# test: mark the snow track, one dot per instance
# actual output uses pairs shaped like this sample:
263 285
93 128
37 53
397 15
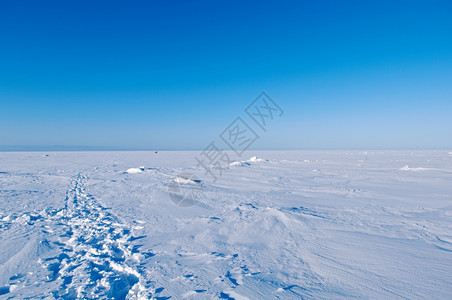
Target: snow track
98 255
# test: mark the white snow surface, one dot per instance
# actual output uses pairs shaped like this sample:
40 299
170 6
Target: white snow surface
291 225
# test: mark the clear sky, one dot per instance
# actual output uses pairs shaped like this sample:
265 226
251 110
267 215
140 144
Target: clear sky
174 74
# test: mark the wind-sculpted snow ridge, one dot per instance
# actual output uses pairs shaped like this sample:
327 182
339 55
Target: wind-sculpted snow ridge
98 257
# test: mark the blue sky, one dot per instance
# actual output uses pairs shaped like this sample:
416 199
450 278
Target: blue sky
161 75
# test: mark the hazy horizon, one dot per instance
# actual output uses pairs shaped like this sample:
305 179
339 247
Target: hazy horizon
62 148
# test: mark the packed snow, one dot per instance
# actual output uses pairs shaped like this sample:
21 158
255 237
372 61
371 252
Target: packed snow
291 225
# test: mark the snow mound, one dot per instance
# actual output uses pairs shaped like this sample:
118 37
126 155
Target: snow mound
248 162
406 168
186 180
135 170
239 163
255 159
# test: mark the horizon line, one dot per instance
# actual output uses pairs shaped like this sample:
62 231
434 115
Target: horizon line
63 148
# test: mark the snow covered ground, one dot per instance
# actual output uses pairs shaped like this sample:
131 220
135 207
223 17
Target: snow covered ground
284 225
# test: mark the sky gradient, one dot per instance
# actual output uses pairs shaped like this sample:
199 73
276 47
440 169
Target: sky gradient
173 75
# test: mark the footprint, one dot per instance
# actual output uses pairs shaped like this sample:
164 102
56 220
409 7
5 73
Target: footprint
4 290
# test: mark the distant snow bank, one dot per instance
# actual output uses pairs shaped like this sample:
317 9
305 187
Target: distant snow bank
247 162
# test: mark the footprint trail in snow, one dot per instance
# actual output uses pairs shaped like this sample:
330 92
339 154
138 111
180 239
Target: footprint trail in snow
99 256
